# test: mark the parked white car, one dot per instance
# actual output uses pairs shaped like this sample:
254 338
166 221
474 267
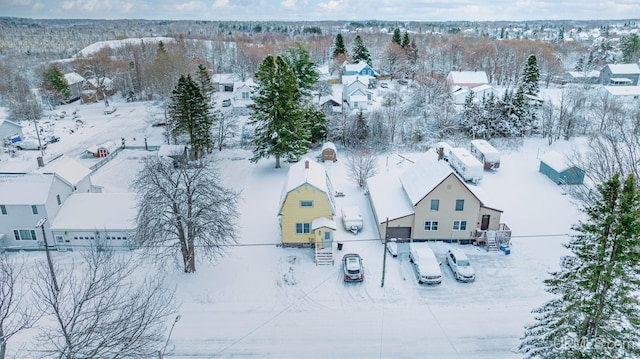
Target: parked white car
426 265
30 145
460 266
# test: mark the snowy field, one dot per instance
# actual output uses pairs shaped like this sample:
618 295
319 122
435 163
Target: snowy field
265 301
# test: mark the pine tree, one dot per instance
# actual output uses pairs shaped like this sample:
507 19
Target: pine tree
338 48
630 47
54 85
531 76
360 52
305 70
280 128
189 112
405 40
396 37
595 310
204 81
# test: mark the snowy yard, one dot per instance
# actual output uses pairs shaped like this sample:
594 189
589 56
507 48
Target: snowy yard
265 301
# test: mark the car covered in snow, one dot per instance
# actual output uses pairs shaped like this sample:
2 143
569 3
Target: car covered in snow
352 267
460 265
30 145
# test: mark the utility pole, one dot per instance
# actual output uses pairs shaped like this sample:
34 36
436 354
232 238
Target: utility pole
46 249
384 255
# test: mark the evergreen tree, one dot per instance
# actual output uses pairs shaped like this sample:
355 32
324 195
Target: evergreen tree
338 47
531 76
316 122
630 47
54 85
204 81
595 310
360 52
277 114
189 112
396 37
305 70
405 40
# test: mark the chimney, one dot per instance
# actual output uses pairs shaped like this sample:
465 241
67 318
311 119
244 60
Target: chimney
440 153
475 70
306 164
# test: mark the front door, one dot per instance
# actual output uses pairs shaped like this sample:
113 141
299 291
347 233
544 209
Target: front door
485 222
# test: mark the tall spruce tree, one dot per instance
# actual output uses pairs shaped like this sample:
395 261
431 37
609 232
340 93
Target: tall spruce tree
305 70
338 47
54 85
397 38
405 40
278 117
203 79
595 310
360 52
531 76
189 113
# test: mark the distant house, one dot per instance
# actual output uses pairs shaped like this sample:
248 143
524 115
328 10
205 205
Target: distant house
95 90
330 105
582 77
557 167
307 207
356 94
9 130
103 149
75 83
620 75
26 200
623 92
429 201
463 83
224 82
96 220
361 69
242 92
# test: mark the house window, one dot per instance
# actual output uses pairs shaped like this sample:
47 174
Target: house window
34 209
24 234
306 203
459 204
431 225
3 209
245 95
58 199
435 204
459 225
302 228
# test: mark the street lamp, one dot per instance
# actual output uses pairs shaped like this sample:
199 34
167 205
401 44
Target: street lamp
40 224
161 353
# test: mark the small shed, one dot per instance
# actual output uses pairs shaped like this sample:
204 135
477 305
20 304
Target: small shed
102 150
329 152
556 166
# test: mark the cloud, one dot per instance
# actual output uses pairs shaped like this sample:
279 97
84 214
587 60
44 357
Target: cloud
331 5
38 6
20 2
218 4
289 4
189 6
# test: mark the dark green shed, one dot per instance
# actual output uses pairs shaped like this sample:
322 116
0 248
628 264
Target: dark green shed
557 167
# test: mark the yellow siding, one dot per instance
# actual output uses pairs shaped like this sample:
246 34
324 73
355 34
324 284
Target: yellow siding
292 213
447 192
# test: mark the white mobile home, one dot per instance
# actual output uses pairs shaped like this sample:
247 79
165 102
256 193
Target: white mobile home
467 166
486 154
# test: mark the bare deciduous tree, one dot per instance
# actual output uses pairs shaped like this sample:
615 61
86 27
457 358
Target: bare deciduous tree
100 309
362 165
184 207
15 316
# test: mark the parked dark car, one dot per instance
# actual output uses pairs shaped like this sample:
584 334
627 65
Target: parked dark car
226 103
352 268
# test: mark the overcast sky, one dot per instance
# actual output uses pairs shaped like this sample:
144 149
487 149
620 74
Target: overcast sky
291 10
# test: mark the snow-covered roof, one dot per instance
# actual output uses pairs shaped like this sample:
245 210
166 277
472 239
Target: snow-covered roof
225 78
114 44
623 90
323 222
73 78
109 146
106 82
240 84
468 77
556 160
485 148
424 175
10 123
356 67
624 69
91 211
25 188
582 74
388 198
329 145
315 175
351 79
67 168
482 88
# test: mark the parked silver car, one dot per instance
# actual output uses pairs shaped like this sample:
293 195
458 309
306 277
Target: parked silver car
460 266
30 145
352 268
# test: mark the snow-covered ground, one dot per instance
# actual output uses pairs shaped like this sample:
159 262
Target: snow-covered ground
265 301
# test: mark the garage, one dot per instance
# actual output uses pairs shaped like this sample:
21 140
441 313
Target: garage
399 232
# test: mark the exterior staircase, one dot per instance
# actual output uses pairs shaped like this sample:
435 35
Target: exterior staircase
492 243
323 256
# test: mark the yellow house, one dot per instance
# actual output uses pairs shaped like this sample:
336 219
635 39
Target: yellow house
429 201
307 207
